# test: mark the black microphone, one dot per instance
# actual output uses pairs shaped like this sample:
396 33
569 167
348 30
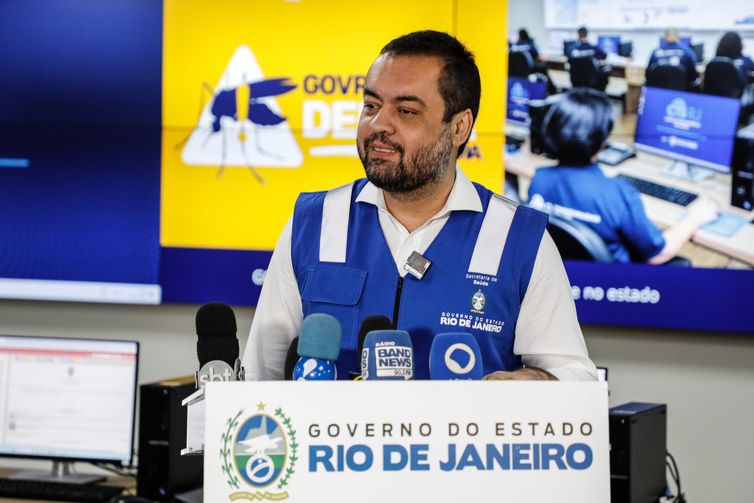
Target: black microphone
217 344
291 357
370 323
375 322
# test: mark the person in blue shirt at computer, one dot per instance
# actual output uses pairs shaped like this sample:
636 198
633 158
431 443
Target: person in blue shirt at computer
585 48
676 54
574 130
525 43
731 46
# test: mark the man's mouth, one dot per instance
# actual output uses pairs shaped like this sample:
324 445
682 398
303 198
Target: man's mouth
380 149
384 150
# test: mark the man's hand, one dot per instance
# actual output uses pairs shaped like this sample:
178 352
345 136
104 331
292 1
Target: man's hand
522 374
703 211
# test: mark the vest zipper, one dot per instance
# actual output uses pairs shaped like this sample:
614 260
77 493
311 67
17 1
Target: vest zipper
397 302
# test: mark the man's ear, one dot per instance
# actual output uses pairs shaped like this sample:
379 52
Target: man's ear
461 124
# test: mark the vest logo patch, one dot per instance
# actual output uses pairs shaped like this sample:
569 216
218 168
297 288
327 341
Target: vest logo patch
463 320
478 301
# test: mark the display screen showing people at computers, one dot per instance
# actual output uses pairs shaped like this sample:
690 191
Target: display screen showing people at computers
67 399
609 43
695 128
520 92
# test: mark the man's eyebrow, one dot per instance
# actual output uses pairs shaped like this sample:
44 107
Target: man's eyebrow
411 97
369 92
407 97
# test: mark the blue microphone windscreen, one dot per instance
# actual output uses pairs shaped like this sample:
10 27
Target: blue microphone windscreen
320 337
314 369
387 355
455 356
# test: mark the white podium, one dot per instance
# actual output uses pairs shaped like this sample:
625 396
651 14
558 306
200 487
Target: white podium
438 441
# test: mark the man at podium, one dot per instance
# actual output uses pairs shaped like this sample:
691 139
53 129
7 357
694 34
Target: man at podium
489 266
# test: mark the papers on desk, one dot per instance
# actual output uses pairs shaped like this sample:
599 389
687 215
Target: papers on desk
616 60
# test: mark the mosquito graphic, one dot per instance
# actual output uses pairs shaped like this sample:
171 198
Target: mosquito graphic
242 104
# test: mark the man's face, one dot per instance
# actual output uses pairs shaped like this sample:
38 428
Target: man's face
403 143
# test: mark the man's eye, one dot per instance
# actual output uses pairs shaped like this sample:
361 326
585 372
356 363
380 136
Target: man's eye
370 106
407 111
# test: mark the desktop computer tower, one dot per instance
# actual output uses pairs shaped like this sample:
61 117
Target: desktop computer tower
742 174
162 434
638 435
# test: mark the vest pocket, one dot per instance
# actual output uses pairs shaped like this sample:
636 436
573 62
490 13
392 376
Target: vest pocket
336 291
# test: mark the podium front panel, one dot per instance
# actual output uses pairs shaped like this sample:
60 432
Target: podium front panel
439 441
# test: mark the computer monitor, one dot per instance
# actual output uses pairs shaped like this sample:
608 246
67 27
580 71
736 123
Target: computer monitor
520 92
67 400
568 46
684 41
698 51
626 49
610 44
697 130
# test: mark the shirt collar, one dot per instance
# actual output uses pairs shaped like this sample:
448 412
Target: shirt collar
463 196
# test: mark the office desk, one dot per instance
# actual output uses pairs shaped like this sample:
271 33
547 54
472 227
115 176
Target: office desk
616 87
625 68
662 213
621 67
631 72
626 78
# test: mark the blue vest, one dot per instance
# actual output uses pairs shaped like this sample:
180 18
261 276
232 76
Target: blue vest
476 283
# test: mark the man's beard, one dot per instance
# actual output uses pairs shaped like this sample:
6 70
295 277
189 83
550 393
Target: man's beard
423 167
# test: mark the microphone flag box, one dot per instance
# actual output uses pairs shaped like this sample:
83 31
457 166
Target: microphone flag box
440 441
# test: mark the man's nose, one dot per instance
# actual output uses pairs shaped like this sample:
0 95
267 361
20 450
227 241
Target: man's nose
383 121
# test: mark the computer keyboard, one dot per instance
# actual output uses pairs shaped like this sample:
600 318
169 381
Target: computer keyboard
56 491
659 191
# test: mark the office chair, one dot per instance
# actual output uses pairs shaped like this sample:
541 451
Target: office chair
723 78
520 64
586 72
667 76
577 241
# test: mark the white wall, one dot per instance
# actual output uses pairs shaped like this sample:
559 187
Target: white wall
707 380
530 14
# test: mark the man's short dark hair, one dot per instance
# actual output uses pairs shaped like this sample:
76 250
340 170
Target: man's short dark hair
459 84
582 32
576 127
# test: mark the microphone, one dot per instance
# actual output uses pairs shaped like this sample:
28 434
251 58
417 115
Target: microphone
455 356
217 345
318 348
387 355
291 357
370 323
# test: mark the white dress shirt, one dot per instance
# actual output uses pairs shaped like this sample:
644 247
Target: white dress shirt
548 334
